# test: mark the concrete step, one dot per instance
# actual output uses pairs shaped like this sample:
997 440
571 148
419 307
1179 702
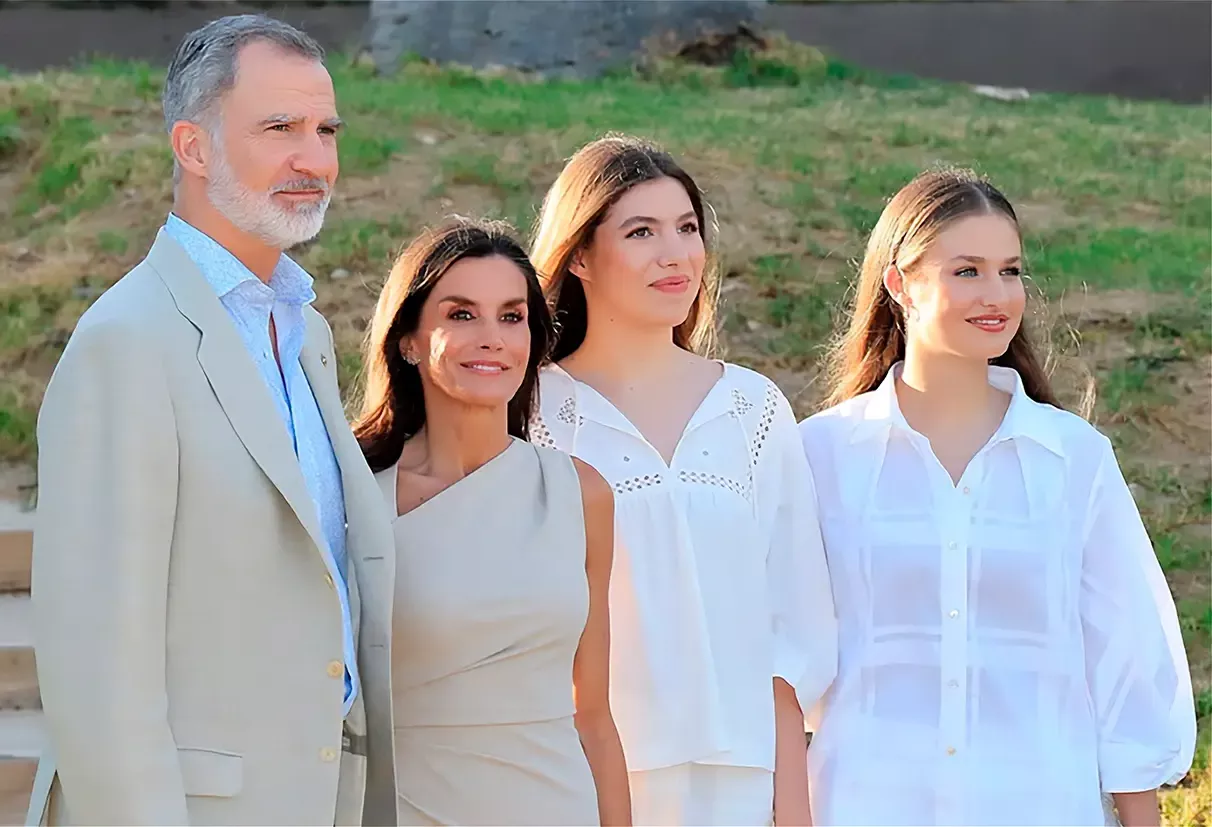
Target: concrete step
16 782
16 552
21 733
16 545
18 675
21 738
18 681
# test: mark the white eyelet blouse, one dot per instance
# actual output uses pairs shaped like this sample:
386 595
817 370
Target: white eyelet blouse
719 582
1008 644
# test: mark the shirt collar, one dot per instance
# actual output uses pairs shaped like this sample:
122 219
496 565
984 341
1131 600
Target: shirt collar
289 283
1025 418
724 398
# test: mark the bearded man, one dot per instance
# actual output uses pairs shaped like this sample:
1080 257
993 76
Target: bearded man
203 506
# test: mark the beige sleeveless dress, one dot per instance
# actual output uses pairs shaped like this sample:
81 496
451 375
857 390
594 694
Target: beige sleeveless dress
491 598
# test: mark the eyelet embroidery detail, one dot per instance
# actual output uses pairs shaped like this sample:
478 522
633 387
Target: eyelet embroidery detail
540 434
702 478
567 412
762 433
743 405
637 483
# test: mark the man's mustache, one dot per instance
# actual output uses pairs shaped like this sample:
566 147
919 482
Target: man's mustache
303 185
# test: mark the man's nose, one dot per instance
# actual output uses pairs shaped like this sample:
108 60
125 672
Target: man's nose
315 158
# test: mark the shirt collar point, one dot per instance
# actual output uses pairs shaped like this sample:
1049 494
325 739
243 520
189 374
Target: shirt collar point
1025 418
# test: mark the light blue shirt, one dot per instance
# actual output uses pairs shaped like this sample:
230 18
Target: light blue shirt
249 302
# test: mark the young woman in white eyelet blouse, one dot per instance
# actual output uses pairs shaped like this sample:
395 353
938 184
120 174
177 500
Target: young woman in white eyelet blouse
1009 650
722 624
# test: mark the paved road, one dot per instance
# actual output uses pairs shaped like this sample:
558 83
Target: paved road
1132 48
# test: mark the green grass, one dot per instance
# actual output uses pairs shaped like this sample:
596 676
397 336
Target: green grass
17 424
1131 385
360 245
67 151
10 134
1178 553
28 314
112 242
1161 260
797 153
482 169
365 154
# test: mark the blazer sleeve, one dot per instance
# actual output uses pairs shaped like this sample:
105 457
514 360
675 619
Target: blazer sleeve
107 470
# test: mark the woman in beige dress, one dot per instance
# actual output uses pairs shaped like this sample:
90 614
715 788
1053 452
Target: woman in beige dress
490 623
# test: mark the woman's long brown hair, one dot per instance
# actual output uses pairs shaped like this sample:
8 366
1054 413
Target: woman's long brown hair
589 185
393 400
875 339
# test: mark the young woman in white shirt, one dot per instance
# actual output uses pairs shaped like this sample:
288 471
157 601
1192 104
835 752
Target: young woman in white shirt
722 624
1009 650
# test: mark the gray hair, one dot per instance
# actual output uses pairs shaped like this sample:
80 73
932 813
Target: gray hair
204 67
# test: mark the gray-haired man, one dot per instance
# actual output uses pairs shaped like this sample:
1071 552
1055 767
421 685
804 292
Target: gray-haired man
202 504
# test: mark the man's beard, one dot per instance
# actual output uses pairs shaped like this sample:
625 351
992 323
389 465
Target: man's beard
257 213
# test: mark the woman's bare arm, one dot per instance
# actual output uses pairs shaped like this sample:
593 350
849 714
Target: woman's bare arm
1138 809
790 759
591 668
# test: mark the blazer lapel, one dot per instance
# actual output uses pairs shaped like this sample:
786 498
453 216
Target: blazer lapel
370 545
235 380
369 522
316 364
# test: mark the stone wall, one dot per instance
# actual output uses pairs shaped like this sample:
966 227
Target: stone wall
1133 48
581 38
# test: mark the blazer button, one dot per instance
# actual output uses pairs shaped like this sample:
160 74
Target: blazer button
328 755
329 581
336 669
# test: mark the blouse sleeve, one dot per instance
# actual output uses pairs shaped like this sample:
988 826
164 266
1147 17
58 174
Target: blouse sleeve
801 598
1136 667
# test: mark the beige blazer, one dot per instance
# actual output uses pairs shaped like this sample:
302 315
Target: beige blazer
187 634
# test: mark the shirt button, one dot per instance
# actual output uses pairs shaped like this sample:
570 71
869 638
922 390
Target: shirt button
953 683
951 750
626 459
954 613
967 490
952 544
336 669
328 755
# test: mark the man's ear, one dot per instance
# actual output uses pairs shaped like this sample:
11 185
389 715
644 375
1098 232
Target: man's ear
191 147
